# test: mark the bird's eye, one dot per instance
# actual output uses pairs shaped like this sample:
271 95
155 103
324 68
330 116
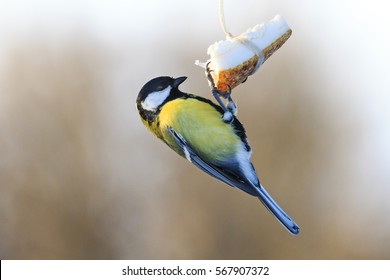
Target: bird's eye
164 85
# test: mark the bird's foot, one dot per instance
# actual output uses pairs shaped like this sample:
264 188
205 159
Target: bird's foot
230 109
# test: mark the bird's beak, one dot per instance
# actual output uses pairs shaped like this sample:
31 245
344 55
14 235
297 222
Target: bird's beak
178 81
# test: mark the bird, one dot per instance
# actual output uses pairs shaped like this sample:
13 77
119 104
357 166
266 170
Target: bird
195 128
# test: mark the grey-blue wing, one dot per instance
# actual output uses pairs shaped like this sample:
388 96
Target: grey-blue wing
227 176
217 172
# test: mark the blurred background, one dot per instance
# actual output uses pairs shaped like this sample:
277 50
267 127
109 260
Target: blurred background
81 178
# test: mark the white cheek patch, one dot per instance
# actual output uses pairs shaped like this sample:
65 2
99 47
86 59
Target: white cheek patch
155 99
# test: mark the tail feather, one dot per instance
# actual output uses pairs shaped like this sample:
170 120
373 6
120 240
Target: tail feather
275 209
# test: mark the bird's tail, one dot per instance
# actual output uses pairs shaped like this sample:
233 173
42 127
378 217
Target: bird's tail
275 209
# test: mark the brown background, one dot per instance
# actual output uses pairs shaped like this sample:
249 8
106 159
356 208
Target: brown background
81 178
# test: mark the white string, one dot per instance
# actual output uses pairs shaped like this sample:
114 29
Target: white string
256 51
245 42
222 19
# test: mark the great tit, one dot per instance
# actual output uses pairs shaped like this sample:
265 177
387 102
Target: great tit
194 127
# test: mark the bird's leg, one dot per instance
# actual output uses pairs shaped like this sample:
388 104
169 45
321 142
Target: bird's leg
231 108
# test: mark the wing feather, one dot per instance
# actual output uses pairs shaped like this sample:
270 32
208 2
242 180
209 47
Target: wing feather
211 169
233 179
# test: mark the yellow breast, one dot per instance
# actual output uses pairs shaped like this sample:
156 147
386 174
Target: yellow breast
202 127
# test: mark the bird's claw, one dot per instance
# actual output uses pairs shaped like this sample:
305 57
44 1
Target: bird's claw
231 109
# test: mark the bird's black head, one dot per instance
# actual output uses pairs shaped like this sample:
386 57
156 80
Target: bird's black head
157 91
